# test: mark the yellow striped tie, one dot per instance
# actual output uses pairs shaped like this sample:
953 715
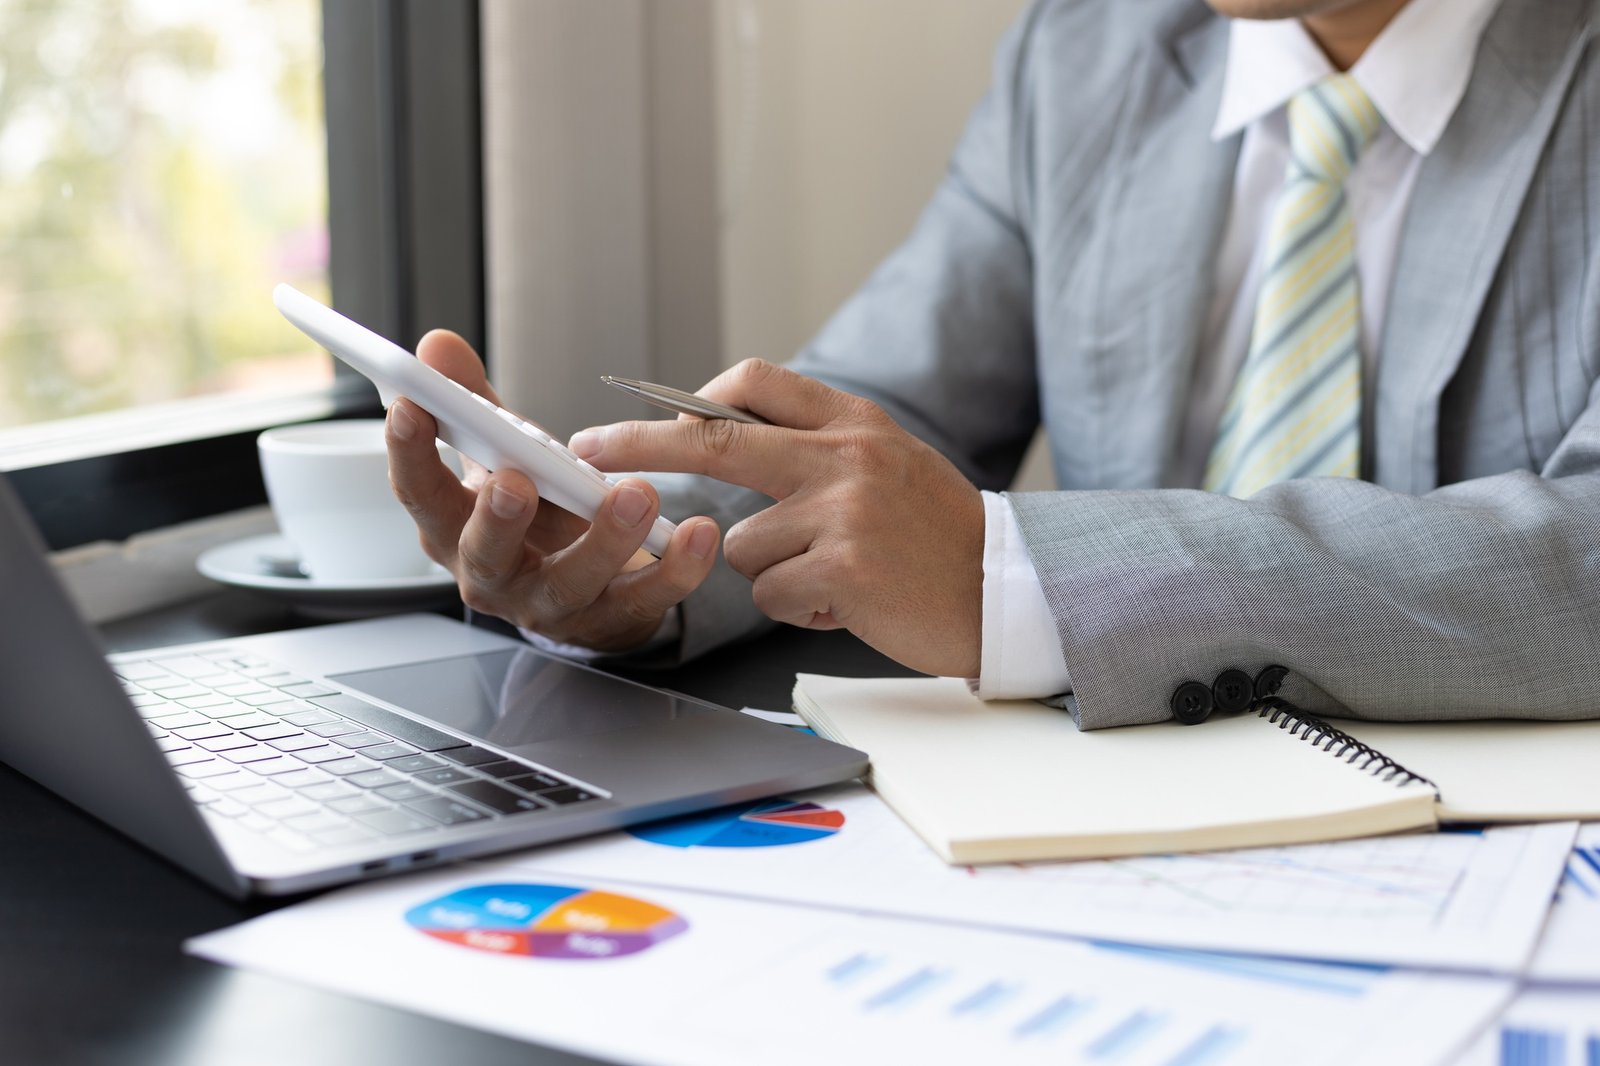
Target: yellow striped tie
1295 410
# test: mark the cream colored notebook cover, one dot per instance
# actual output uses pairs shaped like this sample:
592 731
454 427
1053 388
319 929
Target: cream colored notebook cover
1010 781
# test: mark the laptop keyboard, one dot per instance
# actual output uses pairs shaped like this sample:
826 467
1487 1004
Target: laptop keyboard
306 765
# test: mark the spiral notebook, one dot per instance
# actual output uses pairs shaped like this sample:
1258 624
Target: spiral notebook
1012 781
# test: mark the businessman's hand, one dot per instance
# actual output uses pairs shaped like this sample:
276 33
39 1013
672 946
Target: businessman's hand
530 562
873 530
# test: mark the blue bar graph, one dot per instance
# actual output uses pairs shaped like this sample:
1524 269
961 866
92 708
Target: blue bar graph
1126 1034
1211 1046
852 968
1052 1018
1591 1054
905 989
984 999
1532 1047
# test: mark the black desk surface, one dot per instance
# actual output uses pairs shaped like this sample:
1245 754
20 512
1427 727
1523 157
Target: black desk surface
91 969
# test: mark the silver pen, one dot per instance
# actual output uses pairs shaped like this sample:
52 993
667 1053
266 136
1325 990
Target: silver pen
685 403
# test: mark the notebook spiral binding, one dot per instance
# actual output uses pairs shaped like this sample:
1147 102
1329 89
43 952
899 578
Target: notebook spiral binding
1336 742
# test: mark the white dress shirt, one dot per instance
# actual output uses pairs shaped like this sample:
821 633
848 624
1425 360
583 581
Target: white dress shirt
1416 73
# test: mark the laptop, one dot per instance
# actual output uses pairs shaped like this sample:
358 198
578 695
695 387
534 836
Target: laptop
290 761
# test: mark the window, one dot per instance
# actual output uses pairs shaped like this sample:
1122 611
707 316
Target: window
162 164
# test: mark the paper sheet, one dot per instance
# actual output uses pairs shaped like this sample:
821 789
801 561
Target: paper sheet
664 977
1569 950
1455 900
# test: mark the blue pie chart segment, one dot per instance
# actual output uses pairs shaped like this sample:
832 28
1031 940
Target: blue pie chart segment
770 823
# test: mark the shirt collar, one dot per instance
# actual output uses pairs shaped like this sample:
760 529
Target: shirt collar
1416 72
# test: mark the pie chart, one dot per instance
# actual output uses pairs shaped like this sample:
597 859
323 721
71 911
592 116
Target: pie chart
770 823
546 921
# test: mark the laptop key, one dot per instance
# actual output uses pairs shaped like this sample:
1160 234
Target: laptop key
305 690
262 699
187 755
346 766
356 804
147 699
469 755
281 680
563 796
200 771
394 822
405 790
301 743
496 798
261 792
279 764
227 808
302 778
176 721
192 666
256 823
329 790
286 808
385 752
337 728
361 740
535 782
203 731
447 811
227 742
247 720
326 753
137 671
444 776
396 725
275 731
171 744
504 768
311 717
413 764
374 779
210 699
243 688
253 754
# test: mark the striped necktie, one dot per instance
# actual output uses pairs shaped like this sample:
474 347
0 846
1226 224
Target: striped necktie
1295 410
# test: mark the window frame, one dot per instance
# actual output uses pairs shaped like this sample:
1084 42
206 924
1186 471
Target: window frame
402 92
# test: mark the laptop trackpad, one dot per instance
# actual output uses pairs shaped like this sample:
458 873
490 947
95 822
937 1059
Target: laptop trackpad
515 697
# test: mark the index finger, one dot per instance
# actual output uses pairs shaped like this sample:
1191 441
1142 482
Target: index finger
778 394
770 459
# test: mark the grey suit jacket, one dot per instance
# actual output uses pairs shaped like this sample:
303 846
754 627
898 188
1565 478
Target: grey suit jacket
1063 272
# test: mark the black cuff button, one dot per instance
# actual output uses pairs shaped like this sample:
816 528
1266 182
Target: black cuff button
1233 691
1270 680
1191 703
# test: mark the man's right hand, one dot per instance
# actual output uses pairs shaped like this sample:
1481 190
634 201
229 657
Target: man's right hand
532 563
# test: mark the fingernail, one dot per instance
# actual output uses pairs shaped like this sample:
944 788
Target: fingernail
631 505
505 503
401 422
703 540
586 443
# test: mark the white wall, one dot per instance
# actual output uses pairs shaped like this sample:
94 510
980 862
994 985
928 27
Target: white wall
836 119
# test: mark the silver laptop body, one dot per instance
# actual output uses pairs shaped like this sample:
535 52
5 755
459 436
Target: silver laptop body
289 761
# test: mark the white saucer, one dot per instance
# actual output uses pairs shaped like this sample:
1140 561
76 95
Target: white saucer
248 564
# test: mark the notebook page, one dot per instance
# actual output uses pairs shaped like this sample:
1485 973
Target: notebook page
1498 771
1014 780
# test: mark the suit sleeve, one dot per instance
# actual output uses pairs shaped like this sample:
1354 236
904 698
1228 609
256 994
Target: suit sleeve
1480 599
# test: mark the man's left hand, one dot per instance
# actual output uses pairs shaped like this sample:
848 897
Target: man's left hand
873 530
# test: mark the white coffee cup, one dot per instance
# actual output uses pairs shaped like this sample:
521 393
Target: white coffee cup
328 483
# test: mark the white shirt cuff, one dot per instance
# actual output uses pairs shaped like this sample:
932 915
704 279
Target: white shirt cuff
670 632
1021 657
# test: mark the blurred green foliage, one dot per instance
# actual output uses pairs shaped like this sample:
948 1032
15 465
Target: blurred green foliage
162 165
